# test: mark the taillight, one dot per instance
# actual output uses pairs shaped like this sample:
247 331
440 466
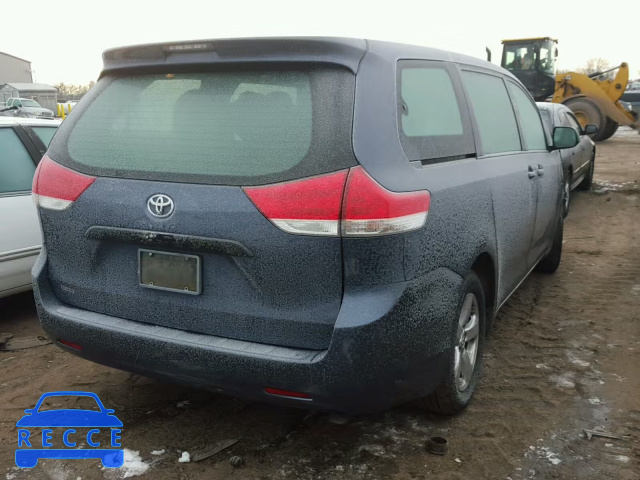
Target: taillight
348 203
371 209
308 207
56 187
287 393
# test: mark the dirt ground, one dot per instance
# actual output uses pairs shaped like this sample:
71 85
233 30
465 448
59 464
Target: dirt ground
564 355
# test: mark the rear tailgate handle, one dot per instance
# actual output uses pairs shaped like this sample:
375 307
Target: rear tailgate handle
532 172
169 240
540 170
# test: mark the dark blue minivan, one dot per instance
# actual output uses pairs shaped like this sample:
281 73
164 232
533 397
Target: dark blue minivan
320 222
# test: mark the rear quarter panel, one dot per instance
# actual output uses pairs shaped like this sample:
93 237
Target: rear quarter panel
460 224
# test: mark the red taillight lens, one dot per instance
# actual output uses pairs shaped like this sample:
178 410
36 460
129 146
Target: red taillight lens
75 346
56 187
350 203
371 209
309 207
287 393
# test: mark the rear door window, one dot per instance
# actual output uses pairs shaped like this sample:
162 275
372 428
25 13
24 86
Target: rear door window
530 123
546 119
45 134
240 127
573 122
493 112
16 166
433 122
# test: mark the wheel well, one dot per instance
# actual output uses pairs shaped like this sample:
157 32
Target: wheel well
484 268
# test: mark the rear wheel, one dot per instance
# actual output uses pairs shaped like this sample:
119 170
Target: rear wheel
610 128
464 359
566 193
588 179
551 262
587 113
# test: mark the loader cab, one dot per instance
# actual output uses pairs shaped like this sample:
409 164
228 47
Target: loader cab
533 62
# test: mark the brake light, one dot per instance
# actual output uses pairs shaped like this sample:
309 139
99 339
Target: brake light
308 207
56 187
348 203
75 346
287 393
371 209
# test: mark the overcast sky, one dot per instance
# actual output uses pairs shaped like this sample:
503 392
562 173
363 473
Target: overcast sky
64 40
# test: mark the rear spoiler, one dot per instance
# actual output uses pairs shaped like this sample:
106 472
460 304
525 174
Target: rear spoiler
346 52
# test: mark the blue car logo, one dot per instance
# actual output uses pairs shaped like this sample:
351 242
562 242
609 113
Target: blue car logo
27 456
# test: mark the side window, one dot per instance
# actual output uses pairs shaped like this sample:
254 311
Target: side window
433 122
16 166
546 119
573 122
564 120
530 123
45 134
17 103
493 112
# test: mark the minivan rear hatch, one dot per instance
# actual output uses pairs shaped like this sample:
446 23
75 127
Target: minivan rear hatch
171 149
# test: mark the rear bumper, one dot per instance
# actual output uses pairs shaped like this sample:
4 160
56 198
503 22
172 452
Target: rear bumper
388 346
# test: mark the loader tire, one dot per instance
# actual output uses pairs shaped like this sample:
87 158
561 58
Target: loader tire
588 113
609 129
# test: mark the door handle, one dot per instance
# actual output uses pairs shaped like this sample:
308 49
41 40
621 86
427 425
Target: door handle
532 172
540 170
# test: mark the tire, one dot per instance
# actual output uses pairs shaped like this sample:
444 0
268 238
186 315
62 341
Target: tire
551 262
586 183
587 112
566 194
455 393
610 128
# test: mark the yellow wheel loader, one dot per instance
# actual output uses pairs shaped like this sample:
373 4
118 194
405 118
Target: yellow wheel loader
593 98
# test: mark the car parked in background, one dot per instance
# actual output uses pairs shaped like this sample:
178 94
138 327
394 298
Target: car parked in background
631 98
578 163
26 108
22 145
319 222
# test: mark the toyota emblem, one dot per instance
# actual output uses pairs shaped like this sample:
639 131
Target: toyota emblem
160 205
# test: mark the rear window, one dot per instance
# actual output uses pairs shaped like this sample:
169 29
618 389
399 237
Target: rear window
45 134
432 124
243 127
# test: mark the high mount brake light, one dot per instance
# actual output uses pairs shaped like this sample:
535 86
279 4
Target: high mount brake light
56 187
347 203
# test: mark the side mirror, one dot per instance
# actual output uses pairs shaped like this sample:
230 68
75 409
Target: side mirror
590 129
565 137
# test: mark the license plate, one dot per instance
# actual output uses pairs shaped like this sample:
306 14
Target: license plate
175 272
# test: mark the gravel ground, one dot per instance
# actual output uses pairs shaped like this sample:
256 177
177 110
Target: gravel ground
564 355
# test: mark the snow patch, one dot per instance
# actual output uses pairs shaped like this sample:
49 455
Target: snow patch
157 452
377 450
576 361
564 381
545 453
185 457
133 466
622 458
595 401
